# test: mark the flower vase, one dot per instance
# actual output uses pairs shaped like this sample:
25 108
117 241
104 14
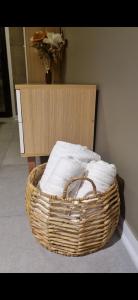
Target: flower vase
48 77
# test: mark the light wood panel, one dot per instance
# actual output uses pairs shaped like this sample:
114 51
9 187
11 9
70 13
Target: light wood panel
18 64
16 36
17 54
56 70
53 29
56 112
34 65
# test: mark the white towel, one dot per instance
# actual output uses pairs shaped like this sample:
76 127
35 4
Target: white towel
65 169
103 175
64 149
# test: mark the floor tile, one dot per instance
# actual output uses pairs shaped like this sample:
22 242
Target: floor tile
12 189
21 252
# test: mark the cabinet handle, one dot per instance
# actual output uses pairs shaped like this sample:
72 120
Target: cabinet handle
21 137
19 110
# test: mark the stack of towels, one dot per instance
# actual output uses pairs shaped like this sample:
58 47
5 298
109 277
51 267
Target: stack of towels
71 160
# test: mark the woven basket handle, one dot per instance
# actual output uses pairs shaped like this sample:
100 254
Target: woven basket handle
75 179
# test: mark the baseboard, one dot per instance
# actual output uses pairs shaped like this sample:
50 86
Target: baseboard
129 241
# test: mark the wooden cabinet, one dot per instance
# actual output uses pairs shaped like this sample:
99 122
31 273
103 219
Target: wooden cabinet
47 113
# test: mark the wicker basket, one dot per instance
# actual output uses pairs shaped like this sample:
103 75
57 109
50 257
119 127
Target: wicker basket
68 226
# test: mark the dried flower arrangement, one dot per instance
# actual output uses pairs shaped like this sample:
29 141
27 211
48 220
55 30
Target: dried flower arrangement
50 47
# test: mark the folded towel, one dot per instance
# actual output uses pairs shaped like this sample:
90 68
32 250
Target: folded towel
64 149
103 175
65 169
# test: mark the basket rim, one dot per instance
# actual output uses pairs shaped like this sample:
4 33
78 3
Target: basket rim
55 197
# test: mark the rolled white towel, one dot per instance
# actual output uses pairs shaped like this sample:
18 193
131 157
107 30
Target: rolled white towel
65 169
64 149
81 152
103 175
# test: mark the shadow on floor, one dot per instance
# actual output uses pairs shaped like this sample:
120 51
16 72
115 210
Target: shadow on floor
114 239
121 185
2 123
44 159
117 235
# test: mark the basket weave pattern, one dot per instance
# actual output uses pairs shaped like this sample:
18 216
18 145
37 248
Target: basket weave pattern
71 226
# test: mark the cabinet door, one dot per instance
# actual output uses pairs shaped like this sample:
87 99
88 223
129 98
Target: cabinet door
57 112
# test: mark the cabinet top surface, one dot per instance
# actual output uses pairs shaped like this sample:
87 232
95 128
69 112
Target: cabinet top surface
22 86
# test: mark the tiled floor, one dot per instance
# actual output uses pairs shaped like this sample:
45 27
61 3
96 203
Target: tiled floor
19 251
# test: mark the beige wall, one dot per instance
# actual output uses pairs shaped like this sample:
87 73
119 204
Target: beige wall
108 57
